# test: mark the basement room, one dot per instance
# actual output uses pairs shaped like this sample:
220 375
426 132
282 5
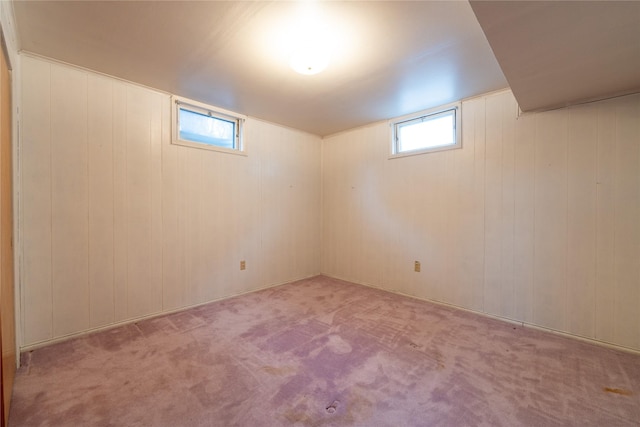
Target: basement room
320 213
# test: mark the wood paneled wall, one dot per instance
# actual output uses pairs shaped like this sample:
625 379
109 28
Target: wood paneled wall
118 224
535 219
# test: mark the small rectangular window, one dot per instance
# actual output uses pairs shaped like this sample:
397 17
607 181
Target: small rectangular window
202 126
432 130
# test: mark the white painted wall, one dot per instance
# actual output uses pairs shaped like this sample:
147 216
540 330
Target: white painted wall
118 224
535 219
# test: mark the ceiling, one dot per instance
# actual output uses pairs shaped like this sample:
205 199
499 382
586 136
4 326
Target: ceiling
394 57
561 53
390 58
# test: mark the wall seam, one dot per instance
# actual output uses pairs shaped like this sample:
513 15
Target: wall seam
566 317
616 288
87 146
113 202
533 260
51 201
484 207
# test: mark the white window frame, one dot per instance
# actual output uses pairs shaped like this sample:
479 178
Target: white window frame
432 113
178 103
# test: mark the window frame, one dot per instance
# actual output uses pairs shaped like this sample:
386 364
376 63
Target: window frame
420 117
178 103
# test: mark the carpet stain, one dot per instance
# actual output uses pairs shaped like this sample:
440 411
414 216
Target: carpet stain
295 417
338 345
359 408
332 408
620 391
274 370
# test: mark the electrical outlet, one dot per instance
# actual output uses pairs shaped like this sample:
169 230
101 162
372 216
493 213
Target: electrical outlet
416 267
243 265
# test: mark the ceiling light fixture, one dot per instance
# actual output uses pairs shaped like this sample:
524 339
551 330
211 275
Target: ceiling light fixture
309 60
312 42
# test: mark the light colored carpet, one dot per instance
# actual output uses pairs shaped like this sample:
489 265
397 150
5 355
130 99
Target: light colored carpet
323 352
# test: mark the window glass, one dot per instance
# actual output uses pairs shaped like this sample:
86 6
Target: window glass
204 128
434 130
427 132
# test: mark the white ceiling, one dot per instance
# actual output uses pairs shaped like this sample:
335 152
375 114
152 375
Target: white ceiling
560 53
392 58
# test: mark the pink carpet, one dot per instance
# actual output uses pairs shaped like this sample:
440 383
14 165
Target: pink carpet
322 352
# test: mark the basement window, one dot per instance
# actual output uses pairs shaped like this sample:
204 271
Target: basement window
427 131
203 126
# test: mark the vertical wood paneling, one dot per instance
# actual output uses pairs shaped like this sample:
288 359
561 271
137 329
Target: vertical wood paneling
270 235
352 195
100 182
499 205
605 226
330 207
448 194
438 240
120 228
524 181
304 193
140 226
190 171
394 207
479 191
249 219
465 224
69 201
534 219
348 198
550 220
155 291
216 260
507 244
142 136
375 149
245 221
215 270
37 307
493 220
581 253
182 230
283 188
627 231
173 289
138 203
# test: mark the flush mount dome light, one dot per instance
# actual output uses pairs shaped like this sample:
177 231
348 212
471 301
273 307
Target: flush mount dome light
311 40
309 61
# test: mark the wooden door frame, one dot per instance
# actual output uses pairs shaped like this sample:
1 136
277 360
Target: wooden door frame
4 412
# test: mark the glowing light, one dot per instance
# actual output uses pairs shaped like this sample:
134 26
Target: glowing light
311 41
309 59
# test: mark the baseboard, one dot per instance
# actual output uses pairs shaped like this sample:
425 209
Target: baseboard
441 303
503 319
85 332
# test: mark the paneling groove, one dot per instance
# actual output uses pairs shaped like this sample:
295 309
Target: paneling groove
101 199
36 201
